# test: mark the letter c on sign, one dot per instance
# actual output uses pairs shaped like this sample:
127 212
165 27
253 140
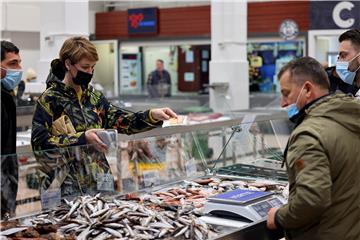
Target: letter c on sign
336 14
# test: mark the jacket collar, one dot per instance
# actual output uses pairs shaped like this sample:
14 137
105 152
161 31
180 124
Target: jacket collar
65 89
5 91
299 118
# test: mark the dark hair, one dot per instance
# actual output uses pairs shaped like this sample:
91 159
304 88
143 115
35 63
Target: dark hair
7 47
58 68
160 60
353 36
306 69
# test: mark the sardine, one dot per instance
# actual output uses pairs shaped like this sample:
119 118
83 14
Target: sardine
181 231
99 213
113 232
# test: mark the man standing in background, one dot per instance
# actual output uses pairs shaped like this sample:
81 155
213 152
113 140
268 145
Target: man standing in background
159 81
11 73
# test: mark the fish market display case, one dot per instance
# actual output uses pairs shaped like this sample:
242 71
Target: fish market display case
213 180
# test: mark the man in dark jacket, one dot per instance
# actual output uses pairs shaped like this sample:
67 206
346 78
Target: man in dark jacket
159 81
10 77
345 77
322 157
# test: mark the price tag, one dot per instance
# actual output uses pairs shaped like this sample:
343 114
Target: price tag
190 167
105 182
50 198
151 178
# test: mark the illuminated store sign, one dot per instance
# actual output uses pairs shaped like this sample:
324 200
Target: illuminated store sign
143 21
334 14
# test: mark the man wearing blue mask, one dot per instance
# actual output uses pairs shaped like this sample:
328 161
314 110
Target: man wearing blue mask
345 76
11 73
322 157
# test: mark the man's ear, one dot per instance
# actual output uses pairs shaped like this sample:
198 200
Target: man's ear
3 73
309 88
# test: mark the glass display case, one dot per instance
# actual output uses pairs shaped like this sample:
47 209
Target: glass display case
160 180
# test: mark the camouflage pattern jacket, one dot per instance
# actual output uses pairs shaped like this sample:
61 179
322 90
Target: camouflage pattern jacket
77 170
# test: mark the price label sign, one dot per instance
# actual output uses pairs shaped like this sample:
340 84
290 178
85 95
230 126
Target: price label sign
50 198
190 167
151 178
105 182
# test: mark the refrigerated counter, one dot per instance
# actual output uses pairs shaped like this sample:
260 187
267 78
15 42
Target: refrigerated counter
151 162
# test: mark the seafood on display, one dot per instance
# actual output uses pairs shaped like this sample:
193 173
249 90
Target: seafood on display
193 194
97 218
170 213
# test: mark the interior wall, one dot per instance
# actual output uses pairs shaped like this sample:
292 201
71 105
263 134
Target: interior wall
194 21
29 45
94 7
266 16
20 16
325 45
334 43
104 70
124 4
322 49
20 24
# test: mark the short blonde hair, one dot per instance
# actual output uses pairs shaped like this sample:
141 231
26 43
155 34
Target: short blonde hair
77 48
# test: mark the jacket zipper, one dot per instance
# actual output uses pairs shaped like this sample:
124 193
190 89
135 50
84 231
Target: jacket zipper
86 127
82 113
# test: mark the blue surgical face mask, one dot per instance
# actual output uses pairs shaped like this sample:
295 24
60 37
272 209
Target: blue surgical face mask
292 109
342 69
12 78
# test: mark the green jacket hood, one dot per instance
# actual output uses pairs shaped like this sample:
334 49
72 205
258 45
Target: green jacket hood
341 108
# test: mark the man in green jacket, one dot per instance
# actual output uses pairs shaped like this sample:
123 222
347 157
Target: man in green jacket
322 157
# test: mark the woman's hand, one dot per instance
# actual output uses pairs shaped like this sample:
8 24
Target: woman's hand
93 139
161 114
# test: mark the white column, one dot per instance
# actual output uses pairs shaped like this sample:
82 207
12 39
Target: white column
228 55
59 21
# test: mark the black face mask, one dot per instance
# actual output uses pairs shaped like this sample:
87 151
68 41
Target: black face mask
82 78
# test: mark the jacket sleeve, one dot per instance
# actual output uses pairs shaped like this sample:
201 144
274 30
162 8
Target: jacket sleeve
310 194
41 137
128 122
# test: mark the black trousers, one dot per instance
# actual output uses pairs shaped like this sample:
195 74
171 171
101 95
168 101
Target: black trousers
9 185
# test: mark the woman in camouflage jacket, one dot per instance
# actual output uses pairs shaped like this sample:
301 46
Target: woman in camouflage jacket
88 111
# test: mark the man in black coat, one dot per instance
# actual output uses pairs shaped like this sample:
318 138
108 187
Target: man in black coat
11 73
345 77
159 81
